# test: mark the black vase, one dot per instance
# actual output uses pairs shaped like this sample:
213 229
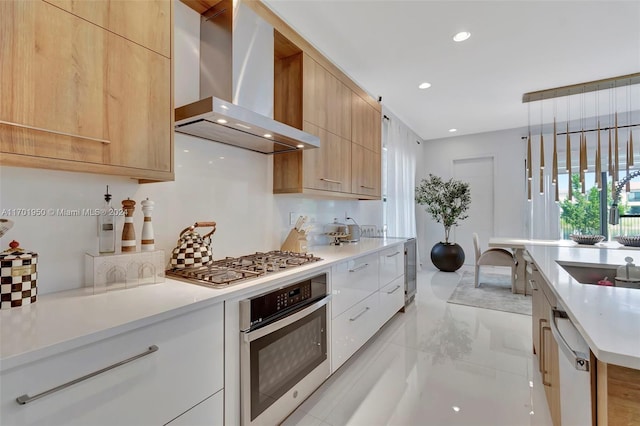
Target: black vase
447 257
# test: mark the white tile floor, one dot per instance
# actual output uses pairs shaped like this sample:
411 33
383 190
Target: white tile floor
437 364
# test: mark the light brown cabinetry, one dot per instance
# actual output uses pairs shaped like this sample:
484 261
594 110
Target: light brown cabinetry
365 124
82 98
365 171
309 96
618 395
326 101
327 168
137 21
545 346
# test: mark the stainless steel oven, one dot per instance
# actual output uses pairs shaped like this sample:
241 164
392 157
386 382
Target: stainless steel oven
283 355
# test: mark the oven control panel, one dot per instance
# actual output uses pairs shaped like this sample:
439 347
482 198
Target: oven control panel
292 295
269 306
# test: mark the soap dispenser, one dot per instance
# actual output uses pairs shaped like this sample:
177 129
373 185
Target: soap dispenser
628 275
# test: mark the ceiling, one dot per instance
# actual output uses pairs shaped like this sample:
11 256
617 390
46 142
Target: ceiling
389 47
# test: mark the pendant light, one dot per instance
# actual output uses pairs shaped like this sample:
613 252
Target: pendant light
541 162
554 172
616 166
628 184
598 161
529 171
583 160
570 190
631 161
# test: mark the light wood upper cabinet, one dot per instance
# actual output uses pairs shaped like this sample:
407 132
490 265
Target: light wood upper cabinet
365 171
326 100
308 96
329 167
147 22
95 101
366 124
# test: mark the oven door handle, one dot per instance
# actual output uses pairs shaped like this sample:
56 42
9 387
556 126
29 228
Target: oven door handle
289 319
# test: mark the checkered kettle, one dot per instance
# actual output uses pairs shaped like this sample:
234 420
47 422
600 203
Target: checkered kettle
193 250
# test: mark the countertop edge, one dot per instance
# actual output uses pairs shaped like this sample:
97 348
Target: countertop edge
607 356
331 255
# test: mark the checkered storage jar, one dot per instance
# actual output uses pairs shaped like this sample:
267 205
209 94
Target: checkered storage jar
18 285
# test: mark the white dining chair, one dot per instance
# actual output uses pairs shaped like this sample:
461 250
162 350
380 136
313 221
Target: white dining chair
494 257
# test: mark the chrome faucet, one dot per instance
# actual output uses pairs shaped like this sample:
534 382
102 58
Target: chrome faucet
614 213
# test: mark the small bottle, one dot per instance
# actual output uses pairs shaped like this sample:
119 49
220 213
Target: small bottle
107 227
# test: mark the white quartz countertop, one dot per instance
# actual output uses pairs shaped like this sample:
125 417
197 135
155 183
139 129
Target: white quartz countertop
607 317
66 320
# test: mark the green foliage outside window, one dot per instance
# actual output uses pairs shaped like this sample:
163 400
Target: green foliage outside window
582 213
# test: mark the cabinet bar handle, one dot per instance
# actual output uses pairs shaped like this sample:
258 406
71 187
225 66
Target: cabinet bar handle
24 399
533 285
367 187
40 129
331 181
544 364
580 360
360 314
394 290
364 265
394 254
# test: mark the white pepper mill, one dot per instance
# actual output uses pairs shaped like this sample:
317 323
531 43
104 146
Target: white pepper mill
148 242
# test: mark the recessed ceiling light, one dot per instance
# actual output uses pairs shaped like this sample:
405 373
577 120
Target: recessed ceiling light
222 158
453 130
462 36
424 85
268 135
456 408
300 146
221 121
185 150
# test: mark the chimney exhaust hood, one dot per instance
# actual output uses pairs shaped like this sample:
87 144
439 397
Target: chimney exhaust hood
214 117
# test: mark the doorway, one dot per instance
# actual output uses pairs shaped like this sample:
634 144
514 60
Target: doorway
479 173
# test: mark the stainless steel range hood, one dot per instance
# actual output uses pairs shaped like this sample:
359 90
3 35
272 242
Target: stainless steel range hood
224 122
214 117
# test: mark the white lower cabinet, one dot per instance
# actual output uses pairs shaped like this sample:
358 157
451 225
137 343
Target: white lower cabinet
353 281
152 389
209 412
391 299
352 329
391 264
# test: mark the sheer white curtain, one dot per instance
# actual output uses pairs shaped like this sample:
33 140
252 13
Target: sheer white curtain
400 169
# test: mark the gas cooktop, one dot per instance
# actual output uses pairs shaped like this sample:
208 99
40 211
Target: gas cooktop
233 270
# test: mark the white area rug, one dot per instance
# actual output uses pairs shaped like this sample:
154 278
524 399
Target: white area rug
494 293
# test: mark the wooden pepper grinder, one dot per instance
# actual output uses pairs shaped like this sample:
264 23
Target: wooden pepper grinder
147 243
128 232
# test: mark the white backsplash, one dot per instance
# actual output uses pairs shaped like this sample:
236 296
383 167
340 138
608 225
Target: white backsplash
228 185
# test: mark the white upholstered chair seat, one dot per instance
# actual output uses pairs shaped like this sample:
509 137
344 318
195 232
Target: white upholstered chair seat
494 257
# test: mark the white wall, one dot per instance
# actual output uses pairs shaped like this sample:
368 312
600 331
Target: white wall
213 181
509 152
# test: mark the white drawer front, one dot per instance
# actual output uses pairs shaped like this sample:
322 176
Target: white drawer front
391 264
209 412
353 281
352 329
151 390
391 299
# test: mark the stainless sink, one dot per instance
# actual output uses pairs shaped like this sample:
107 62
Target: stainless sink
586 273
